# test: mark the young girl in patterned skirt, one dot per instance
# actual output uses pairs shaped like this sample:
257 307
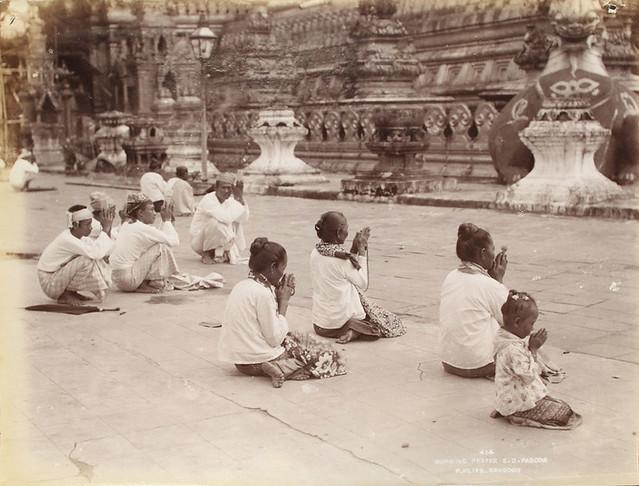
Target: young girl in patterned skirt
522 397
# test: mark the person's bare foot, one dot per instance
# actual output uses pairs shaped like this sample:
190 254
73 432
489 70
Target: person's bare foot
348 336
277 377
157 284
206 258
145 288
70 297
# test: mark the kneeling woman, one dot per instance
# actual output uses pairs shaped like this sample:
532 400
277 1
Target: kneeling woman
340 308
142 259
255 336
470 305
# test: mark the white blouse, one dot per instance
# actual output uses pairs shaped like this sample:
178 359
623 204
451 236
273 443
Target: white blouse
469 317
136 238
335 282
253 329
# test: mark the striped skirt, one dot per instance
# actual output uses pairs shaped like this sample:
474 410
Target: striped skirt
82 274
157 263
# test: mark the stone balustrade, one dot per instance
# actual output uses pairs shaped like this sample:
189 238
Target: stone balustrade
336 137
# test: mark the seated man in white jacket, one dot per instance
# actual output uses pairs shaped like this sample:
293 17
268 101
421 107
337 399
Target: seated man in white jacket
74 263
24 170
216 230
153 185
182 192
142 260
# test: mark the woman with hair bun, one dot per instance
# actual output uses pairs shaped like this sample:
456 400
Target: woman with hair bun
470 305
340 308
255 335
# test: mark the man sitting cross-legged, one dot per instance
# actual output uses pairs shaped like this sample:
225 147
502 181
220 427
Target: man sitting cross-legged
216 230
142 259
74 263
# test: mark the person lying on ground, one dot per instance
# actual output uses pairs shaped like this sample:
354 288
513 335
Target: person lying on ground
142 259
217 228
74 263
521 393
24 171
255 333
340 309
470 305
183 201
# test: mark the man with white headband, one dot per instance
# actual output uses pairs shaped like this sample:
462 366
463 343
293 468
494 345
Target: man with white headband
216 230
74 263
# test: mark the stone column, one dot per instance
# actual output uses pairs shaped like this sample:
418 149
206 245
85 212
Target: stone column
277 133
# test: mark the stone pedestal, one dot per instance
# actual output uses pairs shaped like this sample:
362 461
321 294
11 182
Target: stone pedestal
112 133
184 132
46 144
397 138
564 174
277 133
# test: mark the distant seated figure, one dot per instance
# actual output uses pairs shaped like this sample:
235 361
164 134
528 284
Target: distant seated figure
216 230
103 208
142 259
74 263
183 202
24 170
153 186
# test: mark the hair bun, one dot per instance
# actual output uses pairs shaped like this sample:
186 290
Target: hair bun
258 244
465 230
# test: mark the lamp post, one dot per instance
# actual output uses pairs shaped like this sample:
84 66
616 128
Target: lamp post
203 41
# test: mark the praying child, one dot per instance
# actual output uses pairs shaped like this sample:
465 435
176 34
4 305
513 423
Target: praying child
522 397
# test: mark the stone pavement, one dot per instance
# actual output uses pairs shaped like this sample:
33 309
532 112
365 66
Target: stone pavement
139 396
477 195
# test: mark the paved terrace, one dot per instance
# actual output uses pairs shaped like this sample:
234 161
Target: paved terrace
139 395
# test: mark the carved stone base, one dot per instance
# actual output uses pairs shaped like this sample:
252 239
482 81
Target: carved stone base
379 186
554 192
259 184
564 173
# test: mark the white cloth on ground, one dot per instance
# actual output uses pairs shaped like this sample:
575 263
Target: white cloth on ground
21 173
66 247
253 329
182 196
335 297
136 238
518 381
469 317
153 186
186 281
229 215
